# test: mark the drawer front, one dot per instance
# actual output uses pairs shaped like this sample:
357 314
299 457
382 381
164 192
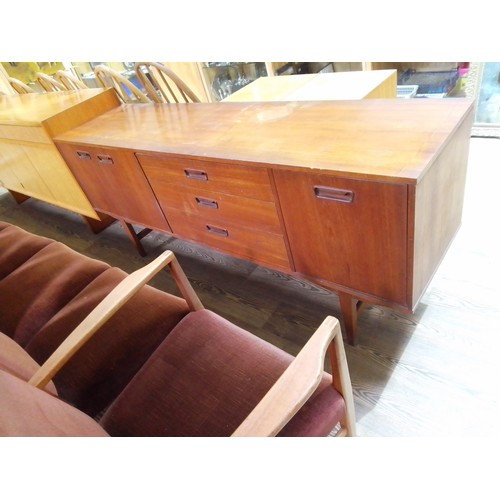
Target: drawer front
249 212
250 182
352 233
115 184
257 246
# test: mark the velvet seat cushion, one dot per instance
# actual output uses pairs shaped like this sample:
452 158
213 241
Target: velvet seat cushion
15 360
26 411
205 378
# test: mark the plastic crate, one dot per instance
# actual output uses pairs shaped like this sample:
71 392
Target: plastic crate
407 91
430 82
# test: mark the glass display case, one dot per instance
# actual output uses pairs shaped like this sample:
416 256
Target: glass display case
224 78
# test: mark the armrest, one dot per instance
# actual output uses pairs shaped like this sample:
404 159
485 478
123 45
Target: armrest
297 383
123 292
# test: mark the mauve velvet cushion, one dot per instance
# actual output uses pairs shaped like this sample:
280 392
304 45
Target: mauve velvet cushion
205 378
40 286
15 360
26 411
52 290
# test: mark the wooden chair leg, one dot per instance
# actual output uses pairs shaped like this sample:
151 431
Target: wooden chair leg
135 237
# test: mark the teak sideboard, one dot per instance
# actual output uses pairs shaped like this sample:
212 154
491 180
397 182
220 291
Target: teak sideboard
360 197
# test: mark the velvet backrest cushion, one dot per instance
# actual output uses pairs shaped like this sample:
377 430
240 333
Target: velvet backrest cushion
205 378
52 290
26 411
97 373
45 277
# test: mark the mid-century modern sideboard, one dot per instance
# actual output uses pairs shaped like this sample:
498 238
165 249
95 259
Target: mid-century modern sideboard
360 197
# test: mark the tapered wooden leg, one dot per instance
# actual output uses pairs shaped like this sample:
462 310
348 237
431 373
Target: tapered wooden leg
18 196
350 308
97 226
135 237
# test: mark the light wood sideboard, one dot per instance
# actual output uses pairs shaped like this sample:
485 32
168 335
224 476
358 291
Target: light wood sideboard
320 87
30 164
361 197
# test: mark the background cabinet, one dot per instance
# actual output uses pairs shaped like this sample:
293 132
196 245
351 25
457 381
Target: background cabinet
213 81
30 164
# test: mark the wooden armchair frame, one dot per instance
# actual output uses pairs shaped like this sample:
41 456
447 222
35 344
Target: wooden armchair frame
48 83
69 81
109 78
162 84
299 381
283 400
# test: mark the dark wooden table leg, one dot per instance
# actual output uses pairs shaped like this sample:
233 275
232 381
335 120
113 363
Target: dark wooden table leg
135 237
350 308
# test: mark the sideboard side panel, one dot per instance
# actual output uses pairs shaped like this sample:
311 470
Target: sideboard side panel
439 201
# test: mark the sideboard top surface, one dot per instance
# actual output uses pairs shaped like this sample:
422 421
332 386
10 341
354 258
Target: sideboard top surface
378 138
35 108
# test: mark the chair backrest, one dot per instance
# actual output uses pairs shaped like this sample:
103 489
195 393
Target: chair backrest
162 84
126 90
48 83
20 87
69 81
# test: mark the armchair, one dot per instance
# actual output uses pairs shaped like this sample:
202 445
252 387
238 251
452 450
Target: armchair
207 377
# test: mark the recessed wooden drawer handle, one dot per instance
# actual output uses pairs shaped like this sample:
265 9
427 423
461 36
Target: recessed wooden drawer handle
333 194
218 230
206 202
83 155
198 175
105 159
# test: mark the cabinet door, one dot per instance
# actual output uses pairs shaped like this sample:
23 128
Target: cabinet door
18 173
351 233
115 184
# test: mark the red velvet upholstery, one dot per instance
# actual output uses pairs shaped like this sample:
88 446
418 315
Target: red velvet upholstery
102 367
28 411
161 370
205 378
15 360
51 289
41 285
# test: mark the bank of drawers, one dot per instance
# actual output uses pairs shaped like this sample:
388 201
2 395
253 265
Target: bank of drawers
229 207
